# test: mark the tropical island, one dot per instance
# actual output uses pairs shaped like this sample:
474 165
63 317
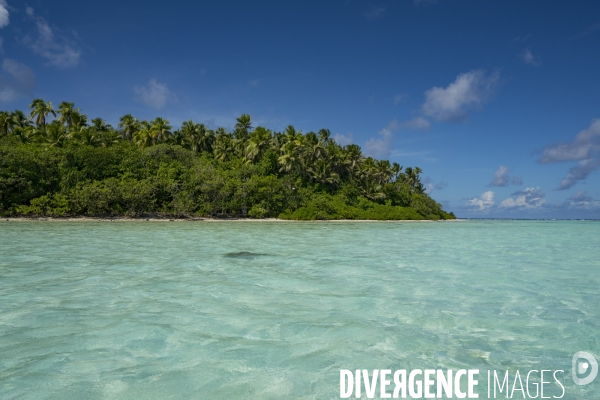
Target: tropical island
57 163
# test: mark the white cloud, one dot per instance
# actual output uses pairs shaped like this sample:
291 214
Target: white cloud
584 149
578 173
4 16
483 202
585 145
29 11
430 185
16 81
343 140
581 200
528 58
154 94
59 50
580 196
530 198
503 178
253 83
418 123
382 146
469 90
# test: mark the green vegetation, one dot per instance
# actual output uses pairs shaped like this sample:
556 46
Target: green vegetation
72 166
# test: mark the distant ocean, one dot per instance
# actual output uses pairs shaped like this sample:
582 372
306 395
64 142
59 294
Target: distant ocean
274 310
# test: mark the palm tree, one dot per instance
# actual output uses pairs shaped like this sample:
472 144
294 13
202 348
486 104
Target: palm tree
313 148
324 135
243 126
40 110
20 119
86 136
352 158
66 111
289 159
143 137
26 134
7 123
161 130
396 171
290 134
100 125
78 120
259 142
412 179
383 172
129 126
372 190
178 138
55 135
198 137
207 139
223 147
107 138
321 172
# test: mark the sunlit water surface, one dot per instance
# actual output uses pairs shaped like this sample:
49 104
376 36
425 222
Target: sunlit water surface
270 310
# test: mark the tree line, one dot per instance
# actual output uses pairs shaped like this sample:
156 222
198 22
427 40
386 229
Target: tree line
147 167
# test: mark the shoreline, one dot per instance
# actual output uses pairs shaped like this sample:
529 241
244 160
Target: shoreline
155 219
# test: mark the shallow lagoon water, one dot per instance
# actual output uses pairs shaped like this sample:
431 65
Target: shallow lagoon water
272 310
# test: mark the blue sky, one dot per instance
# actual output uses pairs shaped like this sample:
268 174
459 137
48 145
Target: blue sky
497 101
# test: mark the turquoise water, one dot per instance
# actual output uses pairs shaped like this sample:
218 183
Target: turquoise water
273 310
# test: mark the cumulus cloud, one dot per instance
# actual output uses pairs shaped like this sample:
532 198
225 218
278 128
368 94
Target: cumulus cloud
483 202
418 123
58 50
529 59
584 146
4 16
581 200
430 185
382 146
580 196
374 13
503 178
17 80
530 198
154 94
343 140
584 149
469 90
578 173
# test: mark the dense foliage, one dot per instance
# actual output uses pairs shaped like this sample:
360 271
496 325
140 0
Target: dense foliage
72 166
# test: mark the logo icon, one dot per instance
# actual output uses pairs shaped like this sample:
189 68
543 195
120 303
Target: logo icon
581 367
